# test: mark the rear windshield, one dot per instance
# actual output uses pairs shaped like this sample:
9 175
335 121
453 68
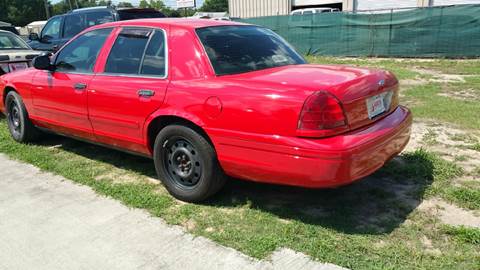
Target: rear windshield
132 14
9 41
240 49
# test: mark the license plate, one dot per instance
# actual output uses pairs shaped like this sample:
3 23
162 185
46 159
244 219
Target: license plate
375 106
17 66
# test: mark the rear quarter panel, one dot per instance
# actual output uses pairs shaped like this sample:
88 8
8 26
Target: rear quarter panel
222 106
21 81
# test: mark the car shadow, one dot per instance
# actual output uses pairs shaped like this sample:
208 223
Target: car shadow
374 205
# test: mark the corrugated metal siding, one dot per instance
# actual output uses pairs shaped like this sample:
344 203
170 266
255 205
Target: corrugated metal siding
300 3
256 8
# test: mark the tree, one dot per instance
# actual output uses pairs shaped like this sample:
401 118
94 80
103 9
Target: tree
22 12
143 4
124 4
156 4
215 6
104 3
160 5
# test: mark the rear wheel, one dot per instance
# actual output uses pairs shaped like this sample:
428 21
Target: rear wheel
20 127
187 164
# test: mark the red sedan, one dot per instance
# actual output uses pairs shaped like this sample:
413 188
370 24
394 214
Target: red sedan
206 99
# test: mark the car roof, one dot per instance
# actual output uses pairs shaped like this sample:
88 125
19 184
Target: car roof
179 22
5 31
89 9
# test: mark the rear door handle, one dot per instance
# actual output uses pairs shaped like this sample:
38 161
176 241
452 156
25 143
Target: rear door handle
145 93
80 86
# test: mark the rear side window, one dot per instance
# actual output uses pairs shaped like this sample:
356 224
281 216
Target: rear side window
138 51
81 54
74 24
99 17
154 60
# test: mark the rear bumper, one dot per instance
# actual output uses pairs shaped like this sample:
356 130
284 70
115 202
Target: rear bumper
327 162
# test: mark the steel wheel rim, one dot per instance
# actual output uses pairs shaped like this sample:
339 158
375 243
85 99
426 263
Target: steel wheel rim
14 118
182 162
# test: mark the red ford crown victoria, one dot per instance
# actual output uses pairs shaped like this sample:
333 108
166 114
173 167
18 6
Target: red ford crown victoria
206 99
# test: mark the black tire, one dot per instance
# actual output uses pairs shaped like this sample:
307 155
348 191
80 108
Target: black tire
20 127
187 164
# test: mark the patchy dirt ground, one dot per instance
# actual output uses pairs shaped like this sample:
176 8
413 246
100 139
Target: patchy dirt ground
453 145
450 214
422 210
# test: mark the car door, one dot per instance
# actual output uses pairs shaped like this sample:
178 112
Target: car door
131 86
60 96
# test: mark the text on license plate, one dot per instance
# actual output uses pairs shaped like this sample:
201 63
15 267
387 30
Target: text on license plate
17 66
375 106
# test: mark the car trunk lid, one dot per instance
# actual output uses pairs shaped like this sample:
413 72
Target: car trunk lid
357 89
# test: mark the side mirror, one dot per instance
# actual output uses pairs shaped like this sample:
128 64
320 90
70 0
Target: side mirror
42 62
33 36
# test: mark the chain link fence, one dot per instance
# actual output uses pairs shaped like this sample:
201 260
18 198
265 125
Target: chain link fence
446 31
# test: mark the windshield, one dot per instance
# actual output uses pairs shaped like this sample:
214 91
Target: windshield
240 49
9 41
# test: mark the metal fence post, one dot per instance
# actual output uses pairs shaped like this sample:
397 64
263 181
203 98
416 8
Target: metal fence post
390 32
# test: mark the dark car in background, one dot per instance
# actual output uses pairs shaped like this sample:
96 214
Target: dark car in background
10 28
60 29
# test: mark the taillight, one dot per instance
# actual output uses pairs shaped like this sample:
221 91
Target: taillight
322 115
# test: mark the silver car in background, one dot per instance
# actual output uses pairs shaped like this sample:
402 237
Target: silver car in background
15 54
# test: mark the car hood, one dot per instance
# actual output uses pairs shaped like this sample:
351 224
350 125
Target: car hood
346 83
18 55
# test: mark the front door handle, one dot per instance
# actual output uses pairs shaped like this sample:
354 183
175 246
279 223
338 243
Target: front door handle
80 86
145 93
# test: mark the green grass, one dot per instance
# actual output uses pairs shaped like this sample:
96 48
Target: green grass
425 99
464 234
361 226
430 138
405 66
401 71
467 138
475 147
464 196
476 171
433 106
372 224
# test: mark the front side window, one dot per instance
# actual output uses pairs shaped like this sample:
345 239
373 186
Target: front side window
138 51
52 28
240 49
80 54
10 41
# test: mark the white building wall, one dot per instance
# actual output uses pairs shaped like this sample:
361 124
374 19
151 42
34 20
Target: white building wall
454 2
381 4
314 2
259 8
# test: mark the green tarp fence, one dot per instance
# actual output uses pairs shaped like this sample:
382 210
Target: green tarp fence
448 31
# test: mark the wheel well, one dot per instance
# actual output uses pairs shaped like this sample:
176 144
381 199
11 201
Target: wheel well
7 90
161 122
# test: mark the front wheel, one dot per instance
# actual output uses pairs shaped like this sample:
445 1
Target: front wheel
20 127
187 164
